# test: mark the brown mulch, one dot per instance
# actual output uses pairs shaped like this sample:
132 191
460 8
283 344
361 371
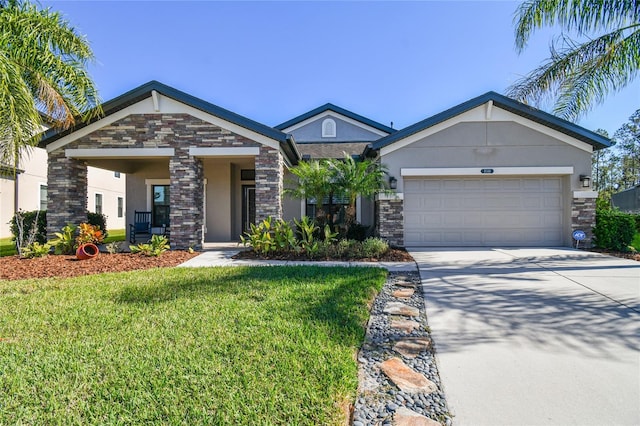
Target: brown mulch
632 256
15 268
392 255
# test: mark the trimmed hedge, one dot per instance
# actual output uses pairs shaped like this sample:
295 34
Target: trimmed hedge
41 235
614 230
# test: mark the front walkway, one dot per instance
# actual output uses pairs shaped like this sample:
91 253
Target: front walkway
535 336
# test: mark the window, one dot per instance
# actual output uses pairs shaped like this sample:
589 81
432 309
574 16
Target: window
247 174
43 197
160 206
328 128
98 204
336 207
120 206
116 174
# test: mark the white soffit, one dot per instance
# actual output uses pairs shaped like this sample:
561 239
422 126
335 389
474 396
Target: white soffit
160 104
224 152
333 114
120 153
485 171
485 113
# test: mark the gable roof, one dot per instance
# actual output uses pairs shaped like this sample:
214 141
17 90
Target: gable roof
336 109
145 91
508 104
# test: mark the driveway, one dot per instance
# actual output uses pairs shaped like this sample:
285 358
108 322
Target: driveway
535 336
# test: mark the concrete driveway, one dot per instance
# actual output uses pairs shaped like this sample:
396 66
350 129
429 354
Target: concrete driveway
535 336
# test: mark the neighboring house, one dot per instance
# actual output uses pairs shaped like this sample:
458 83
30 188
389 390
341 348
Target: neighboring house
27 188
491 171
627 200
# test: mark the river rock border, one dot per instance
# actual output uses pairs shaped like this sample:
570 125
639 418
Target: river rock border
398 377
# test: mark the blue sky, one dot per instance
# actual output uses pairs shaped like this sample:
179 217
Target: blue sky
271 61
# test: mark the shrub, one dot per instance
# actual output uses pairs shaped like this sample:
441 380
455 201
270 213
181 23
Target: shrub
28 219
374 247
636 217
65 241
614 230
259 237
99 220
88 233
155 247
36 249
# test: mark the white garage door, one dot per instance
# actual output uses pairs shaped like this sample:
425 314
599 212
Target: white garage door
487 211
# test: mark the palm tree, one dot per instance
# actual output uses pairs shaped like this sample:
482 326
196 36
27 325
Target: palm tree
579 74
354 178
42 73
314 182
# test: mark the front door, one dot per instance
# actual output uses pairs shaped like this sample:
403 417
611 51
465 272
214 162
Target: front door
160 206
248 207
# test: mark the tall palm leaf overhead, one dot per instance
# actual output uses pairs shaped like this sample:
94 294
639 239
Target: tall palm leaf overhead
42 72
580 74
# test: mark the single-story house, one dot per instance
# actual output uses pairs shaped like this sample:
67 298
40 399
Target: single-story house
488 172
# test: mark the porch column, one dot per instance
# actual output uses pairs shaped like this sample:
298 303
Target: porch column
66 192
583 215
390 218
187 198
269 183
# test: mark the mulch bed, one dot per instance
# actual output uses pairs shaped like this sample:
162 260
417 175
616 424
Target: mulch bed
15 268
632 256
392 255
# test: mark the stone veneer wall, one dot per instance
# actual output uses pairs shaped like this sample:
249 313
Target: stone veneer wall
66 192
583 217
390 223
269 183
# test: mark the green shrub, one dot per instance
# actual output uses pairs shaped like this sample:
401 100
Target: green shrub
259 237
614 230
36 249
636 217
65 241
28 219
99 220
155 247
374 247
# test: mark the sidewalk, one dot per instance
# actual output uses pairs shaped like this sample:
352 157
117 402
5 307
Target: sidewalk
223 257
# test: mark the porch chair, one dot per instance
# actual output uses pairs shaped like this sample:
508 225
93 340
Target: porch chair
141 226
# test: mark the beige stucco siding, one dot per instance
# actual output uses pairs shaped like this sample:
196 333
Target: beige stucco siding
486 145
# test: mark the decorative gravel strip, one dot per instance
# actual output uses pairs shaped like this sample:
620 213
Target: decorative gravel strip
378 397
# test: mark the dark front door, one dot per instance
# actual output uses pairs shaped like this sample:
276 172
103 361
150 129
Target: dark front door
248 206
160 209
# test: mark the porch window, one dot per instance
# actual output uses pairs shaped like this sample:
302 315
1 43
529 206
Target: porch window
160 206
334 205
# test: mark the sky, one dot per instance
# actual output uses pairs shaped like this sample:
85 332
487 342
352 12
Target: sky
397 62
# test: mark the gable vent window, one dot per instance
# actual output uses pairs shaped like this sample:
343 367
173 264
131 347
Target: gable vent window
328 128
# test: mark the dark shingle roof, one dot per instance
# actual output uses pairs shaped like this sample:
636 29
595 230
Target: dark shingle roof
337 109
544 118
142 92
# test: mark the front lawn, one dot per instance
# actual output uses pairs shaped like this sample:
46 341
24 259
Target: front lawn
7 247
266 345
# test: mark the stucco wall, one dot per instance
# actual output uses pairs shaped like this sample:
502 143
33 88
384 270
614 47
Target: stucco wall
345 132
486 145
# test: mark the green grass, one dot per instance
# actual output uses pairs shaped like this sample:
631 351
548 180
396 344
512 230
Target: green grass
636 241
254 346
7 247
115 235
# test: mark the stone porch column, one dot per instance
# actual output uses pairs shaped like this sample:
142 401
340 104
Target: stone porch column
390 219
187 200
66 192
269 183
583 215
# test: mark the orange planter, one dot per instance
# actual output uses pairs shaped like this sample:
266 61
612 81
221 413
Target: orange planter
87 251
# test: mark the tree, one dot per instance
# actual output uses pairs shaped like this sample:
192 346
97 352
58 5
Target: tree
627 140
42 73
579 74
314 182
354 178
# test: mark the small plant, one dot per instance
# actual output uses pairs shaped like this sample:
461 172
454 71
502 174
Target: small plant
114 247
329 236
88 233
283 236
36 249
374 247
307 227
259 237
155 247
64 243
27 228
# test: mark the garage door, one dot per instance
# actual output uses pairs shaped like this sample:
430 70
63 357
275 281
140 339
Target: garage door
487 211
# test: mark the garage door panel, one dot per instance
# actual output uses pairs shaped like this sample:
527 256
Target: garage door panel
486 211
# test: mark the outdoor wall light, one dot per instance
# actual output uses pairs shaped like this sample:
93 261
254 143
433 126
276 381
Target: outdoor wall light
393 182
586 181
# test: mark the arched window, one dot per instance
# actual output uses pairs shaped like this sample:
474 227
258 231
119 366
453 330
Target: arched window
328 128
